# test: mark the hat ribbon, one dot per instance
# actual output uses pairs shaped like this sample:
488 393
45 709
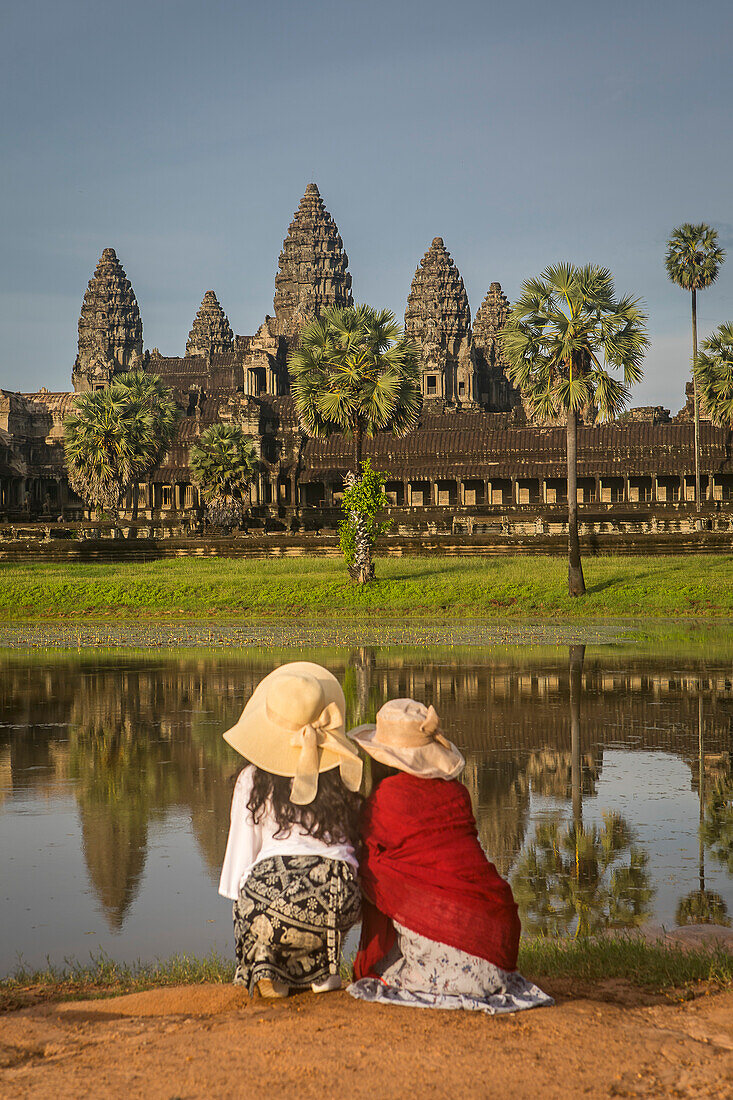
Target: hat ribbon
431 726
312 737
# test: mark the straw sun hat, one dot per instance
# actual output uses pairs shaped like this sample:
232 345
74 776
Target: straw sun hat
408 736
293 724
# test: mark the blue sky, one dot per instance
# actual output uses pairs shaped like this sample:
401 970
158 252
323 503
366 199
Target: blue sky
183 135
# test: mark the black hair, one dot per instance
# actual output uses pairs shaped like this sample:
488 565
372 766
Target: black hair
333 815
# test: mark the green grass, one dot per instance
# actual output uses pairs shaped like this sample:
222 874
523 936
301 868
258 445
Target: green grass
655 966
652 966
500 587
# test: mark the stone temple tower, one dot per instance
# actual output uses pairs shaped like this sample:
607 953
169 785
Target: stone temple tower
438 320
210 333
110 328
313 268
493 389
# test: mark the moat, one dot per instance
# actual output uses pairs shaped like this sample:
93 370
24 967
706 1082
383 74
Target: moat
115 783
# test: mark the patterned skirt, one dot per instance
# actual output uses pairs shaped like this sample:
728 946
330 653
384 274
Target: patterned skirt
421 973
289 918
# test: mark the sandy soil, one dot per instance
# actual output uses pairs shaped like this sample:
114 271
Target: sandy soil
213 1041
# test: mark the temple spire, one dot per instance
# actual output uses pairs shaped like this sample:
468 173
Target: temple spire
110 328
210 333
438 320
313 267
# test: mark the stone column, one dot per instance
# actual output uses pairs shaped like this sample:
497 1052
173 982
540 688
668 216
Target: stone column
405 493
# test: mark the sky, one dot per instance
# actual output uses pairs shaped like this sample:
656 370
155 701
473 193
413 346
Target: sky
183 135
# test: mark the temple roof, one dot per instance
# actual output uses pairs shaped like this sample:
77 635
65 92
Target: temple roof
476 445
210 333
437 306
313 266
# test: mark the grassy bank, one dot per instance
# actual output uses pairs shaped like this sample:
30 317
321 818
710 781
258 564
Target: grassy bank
664 587
652 966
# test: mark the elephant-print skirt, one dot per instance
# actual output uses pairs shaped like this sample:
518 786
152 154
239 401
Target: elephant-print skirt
289 918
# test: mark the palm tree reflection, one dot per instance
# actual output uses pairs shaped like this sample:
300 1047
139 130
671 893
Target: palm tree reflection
580 880
704 906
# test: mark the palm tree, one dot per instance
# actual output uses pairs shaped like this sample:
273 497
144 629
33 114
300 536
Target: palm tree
149 393
116 435
714 374
562 336
222 464
693 260
354 372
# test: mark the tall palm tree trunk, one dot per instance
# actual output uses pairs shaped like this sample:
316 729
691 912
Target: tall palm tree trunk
576 580
362 569
696 402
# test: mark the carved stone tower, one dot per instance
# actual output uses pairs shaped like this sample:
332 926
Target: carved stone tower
210 334
110 329
493 389
438 320
313 267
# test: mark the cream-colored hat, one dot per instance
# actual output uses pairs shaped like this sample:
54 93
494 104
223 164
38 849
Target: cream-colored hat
408 736
293 724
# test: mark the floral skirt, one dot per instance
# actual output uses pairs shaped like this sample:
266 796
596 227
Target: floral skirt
289 919
426 974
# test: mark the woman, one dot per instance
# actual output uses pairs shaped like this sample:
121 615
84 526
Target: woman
440 926
290 864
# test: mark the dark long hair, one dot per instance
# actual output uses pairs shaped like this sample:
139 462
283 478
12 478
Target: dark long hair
333 815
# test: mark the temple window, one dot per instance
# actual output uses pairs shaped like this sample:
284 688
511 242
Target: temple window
256 381
461 389
432 385
556 490
445 493
419 493
640 489
612 490
501 491
167 496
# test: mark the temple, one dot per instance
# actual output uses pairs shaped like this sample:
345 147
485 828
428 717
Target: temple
475 459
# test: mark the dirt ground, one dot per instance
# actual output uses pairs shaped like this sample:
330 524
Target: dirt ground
210 1041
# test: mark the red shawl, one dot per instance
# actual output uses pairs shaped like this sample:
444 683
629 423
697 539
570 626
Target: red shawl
423 867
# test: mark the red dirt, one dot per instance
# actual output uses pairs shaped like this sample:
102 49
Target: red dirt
213 1041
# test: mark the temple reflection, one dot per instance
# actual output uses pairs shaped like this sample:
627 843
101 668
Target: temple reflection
136 738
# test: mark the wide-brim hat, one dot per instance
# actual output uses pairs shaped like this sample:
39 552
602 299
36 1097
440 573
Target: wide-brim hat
293 724
407 736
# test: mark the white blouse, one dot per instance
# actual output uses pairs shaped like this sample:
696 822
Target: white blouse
249 844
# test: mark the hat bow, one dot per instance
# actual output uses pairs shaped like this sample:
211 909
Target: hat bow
323 732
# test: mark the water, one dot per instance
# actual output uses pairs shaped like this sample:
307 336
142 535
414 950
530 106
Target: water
115 784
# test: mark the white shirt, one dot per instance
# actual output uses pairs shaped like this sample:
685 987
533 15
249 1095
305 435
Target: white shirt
249 844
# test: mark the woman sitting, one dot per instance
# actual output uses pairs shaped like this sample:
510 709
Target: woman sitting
440 926
290 864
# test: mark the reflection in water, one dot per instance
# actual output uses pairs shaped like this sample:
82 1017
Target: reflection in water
703 906
137 742
579 881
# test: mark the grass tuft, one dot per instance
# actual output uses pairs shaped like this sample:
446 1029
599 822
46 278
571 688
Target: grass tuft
651 965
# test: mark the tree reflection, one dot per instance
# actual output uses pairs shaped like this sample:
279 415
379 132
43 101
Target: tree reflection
578 880
704 906
717 826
